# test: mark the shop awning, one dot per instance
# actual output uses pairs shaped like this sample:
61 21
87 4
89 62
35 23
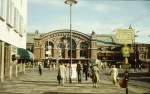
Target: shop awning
25 54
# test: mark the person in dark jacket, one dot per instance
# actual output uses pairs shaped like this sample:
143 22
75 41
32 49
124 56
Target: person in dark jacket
40 69
79 70
85 70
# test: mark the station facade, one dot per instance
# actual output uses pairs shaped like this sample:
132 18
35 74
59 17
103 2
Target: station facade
55 46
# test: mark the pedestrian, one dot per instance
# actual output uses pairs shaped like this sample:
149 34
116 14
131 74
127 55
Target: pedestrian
96 73
61 71
114 74
67 72
85 70
59 76
79 70
94 77
40 69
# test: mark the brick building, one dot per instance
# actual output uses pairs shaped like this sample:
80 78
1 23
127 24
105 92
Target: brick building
55 45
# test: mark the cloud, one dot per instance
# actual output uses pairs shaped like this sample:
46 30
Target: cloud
99 28
143 31
103 8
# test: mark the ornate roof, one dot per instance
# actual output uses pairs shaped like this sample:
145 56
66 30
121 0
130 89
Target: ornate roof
102 39
65 31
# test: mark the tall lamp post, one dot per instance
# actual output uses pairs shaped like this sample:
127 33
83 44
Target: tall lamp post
135 50
70 3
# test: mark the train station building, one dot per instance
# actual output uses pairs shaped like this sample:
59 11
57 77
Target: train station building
55 45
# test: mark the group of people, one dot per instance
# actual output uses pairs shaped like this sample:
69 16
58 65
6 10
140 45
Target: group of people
86 70
65 72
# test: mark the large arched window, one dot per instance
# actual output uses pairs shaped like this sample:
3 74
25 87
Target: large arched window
48 49
84 50
73 47
61 48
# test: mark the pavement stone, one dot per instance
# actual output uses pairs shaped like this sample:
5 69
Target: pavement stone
32 83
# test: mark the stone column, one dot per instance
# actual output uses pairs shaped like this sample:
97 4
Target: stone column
2 61
7 62
11 71
55 51
19 67
16 69
37 53
23 68
77 53
93 46
43 52
93 53
66 52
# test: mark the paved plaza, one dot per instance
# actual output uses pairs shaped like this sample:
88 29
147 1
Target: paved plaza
32 83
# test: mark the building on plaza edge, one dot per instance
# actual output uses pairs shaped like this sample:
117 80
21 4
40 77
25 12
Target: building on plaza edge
55 45
13 23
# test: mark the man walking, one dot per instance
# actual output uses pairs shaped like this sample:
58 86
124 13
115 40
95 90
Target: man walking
85 70
79 70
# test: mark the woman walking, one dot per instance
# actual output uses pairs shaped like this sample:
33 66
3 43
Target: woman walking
114 74
61 73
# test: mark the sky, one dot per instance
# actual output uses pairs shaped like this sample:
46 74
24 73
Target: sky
100 16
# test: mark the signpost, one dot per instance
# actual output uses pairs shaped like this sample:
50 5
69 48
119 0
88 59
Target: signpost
126 53
125 36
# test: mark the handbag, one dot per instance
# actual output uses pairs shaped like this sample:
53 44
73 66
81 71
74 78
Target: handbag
58 77
122 83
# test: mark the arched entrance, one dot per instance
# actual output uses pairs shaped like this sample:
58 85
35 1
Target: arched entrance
57 45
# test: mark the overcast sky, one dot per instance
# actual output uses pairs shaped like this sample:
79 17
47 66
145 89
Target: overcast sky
102 16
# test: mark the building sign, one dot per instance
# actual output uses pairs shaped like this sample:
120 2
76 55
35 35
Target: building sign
125 36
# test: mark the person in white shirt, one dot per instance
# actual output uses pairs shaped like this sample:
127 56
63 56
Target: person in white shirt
61 72
114 74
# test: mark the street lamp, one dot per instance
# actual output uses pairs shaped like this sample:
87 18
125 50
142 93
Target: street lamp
135 50
70 3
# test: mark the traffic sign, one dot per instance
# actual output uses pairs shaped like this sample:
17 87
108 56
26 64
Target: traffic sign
125 51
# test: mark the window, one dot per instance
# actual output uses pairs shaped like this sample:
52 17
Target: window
12 15
8 12
21 25
141 49
15 14
16 20
3 9
84 50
